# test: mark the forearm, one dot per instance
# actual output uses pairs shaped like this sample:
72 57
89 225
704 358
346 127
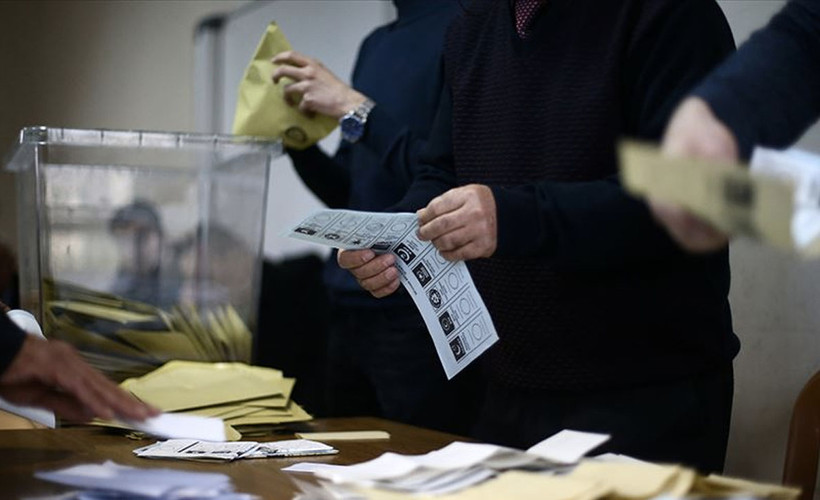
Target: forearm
323 175
767 93
580 226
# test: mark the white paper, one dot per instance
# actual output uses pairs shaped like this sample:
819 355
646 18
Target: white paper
567 447
151 483
443 291
176 426
193 449
803 169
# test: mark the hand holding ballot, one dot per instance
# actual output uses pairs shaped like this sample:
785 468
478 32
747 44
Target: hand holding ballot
50 374
694 132
314 88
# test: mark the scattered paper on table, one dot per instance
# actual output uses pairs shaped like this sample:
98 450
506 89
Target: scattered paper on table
443 291
169 425
567 446
193 449
149 483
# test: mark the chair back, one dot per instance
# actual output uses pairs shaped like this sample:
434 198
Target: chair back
803 447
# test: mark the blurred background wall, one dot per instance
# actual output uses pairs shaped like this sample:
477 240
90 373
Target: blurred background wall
95 64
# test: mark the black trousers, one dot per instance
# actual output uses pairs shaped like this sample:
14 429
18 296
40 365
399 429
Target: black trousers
382 363
684 422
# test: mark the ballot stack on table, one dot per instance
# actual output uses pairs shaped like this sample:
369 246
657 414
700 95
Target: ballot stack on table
248 399
477 471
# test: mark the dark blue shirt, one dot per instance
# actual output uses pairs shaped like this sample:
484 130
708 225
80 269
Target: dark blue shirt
768 93
398 67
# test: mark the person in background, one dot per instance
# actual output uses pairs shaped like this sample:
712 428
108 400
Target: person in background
605 324
382 360
51 375
768 93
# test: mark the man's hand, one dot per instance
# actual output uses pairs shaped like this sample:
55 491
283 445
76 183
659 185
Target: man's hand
461 223
50 374
315 89
375 273
694 132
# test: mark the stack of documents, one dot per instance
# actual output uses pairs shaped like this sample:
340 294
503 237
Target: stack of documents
111 480
453 468
776 200
244 397
193 449
125 338
591 479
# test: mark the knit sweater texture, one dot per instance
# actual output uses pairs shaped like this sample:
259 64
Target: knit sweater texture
585 290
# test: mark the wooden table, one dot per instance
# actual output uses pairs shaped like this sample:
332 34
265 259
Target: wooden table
22 452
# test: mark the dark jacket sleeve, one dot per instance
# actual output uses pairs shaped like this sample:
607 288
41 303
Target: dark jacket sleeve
392 141
11 339
435 172
768 93
596 225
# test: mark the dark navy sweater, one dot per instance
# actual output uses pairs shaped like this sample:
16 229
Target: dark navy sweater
768 93
399 67
585 290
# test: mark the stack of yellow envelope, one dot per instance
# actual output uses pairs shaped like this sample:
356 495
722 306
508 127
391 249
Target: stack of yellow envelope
245 397
126 338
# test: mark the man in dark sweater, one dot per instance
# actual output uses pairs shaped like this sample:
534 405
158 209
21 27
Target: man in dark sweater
34 372
382 360
768 93
604 324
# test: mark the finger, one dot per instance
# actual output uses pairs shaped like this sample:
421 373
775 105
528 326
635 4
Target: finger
385 279
293 92
351 259
449 201
470 251
41 396
442 225
452 240
292 72
374 267
291 57
386 290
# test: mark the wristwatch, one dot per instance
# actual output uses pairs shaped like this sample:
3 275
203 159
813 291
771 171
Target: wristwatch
353 122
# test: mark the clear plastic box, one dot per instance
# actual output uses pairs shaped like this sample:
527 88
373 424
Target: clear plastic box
141 247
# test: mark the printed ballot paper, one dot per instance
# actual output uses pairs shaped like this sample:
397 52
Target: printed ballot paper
192 449
776 200
443 291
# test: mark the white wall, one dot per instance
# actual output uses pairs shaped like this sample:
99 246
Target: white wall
776 315
95 64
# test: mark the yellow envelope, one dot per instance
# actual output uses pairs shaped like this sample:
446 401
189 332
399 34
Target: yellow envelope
261 109
635 480
184 385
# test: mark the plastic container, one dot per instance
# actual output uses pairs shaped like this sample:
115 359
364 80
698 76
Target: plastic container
141 247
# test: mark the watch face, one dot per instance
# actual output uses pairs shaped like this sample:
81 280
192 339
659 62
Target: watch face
352 128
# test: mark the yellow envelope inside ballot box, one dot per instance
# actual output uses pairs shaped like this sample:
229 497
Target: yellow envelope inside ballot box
183 385
261 109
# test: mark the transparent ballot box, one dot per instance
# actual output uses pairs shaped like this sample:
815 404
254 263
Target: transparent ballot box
142 247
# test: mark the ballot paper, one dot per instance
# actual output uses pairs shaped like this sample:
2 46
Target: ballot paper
110 479
457 466
169 425
443 291
776 201
193 449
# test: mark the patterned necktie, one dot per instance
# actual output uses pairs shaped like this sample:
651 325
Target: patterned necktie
525 10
